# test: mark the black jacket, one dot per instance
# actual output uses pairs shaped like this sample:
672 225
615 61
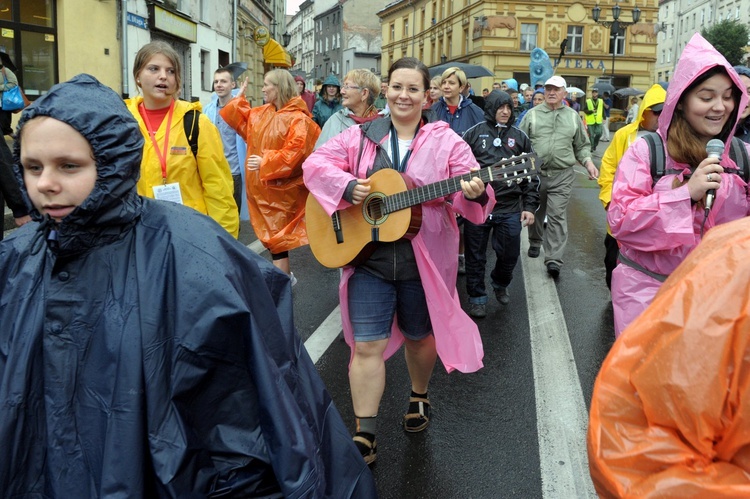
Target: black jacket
491 143
144 352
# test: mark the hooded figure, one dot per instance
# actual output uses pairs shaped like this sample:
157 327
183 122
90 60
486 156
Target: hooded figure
144 352
328 102
669 411
659 224
516 201
307 96
743 128
646 122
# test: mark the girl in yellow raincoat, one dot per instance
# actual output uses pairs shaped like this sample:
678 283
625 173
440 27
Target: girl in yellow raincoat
169 170
280 135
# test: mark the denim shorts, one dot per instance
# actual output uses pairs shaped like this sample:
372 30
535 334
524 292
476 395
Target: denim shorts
374 301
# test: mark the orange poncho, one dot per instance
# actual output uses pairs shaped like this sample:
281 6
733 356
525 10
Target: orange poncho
670 413
276 194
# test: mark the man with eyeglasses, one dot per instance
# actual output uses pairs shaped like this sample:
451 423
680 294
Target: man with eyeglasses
646 122
559 139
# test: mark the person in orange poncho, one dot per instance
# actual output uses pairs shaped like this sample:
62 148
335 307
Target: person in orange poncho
670 413
279 135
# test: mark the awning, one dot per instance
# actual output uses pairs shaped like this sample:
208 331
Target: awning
274 53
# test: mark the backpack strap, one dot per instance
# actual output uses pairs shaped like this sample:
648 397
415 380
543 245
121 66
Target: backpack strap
192 129
738 153
656 155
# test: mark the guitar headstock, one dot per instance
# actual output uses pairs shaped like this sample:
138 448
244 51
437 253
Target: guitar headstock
514 169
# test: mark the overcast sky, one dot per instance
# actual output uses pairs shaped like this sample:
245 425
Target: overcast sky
292 6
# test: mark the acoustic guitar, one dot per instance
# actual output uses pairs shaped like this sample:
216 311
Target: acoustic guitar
392 210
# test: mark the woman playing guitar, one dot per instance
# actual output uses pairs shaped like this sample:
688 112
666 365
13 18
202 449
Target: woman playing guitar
405 291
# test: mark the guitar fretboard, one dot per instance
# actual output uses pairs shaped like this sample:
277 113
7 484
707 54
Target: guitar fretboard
500 171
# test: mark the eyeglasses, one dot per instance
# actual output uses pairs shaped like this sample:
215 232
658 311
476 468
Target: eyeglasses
412 90
351 87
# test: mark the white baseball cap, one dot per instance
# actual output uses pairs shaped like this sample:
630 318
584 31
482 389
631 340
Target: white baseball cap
556 81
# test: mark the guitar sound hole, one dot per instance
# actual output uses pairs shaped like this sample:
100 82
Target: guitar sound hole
374 209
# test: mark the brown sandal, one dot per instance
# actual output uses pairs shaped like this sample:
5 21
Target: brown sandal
418 416
368 448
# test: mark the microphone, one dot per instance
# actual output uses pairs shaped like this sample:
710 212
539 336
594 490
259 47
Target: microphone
714 148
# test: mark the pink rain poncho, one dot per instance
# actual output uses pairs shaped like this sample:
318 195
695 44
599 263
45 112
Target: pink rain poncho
657 226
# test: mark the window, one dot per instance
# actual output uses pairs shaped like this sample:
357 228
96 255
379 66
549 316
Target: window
465 48
393 32
575 39
617 43
423 18
204 10
449 46
703 16
710 14
737 12
671 31
406 26
669 55
528 36
663 58
207 74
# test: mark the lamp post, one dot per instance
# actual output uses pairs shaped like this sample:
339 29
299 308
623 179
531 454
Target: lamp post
286 38
443 58
616 26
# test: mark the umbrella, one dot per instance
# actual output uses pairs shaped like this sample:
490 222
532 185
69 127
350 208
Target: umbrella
628 92
471 70
237 68
602 87
575 92
5 58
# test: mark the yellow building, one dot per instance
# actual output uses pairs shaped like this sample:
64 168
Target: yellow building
501 35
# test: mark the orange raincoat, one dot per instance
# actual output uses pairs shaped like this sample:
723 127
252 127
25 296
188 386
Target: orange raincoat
276 194
670 413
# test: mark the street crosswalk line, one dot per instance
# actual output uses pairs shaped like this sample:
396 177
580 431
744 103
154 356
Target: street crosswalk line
560 408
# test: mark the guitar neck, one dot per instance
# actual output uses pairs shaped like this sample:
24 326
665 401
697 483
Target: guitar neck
498 171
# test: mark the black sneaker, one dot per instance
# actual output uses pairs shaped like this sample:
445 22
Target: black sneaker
478 310
533 251
553 269
502 296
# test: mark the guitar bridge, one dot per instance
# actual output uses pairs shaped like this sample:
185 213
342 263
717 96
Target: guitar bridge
336 222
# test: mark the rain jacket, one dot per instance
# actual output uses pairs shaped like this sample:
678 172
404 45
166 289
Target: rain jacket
658 225
622 139
306 95
276 194
206 184
518 196
743 128
437 154
669 411
155 356
339 122
212 112
466 116
324 108
145 353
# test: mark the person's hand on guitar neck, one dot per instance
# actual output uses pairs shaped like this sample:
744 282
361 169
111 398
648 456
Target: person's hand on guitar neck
474 188
361 190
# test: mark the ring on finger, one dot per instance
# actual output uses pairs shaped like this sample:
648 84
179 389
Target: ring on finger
708 177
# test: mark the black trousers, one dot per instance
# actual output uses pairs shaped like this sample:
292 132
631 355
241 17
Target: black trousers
506 241
610 257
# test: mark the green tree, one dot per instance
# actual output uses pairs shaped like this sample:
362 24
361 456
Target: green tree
730 37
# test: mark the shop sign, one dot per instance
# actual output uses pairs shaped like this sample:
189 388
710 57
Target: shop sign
582 64
174 24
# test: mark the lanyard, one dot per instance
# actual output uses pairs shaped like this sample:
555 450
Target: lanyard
400 165
161 153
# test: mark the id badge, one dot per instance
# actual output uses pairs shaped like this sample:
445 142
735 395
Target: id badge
168 192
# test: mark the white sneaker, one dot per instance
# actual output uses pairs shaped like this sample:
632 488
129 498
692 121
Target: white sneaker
292 278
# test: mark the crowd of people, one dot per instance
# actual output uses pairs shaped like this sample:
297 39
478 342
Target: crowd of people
92 172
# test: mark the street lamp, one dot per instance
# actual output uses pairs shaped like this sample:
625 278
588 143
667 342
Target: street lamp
443 58
616 26
286 38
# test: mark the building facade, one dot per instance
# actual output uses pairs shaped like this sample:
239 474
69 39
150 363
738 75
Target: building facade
50 40
501 36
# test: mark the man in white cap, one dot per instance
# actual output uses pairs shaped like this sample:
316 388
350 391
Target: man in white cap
559 139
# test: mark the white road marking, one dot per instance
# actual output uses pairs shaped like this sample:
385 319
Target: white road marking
317 344
560 408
